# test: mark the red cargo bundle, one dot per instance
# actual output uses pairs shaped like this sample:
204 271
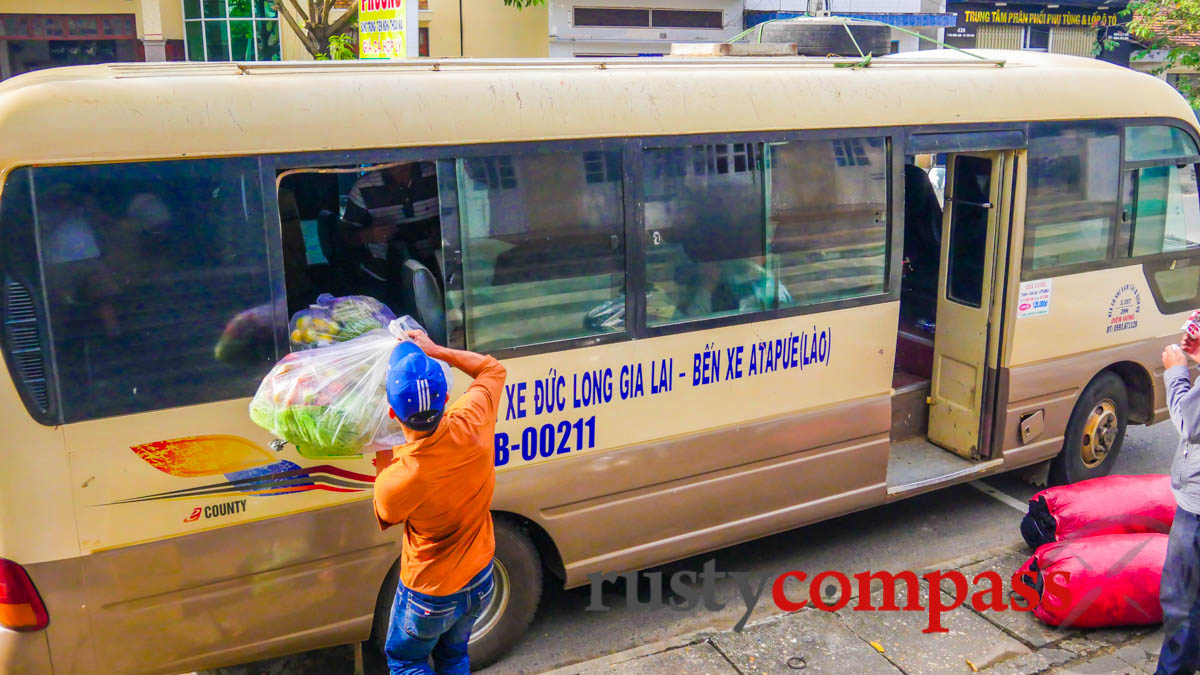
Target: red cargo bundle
1099 582
1109 505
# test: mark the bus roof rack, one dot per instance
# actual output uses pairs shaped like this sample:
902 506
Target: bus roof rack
733 49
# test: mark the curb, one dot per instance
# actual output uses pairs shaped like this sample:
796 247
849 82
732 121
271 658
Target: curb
605 662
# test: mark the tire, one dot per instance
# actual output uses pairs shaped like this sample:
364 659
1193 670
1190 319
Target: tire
1094 433
518 575
822 37
518 590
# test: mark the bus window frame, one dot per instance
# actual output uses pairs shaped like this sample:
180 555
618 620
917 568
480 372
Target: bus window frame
1129 166
895 165
53 415
1113 260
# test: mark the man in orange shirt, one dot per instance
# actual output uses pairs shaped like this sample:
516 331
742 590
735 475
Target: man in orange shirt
439 485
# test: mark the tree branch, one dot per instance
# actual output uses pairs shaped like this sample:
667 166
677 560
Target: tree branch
344 21
305 39
300 13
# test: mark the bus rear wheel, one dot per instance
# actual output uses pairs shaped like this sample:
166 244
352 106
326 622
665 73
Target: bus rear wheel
1095 432
517 575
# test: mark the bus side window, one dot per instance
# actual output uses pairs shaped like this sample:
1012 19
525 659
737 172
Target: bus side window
749 227
158 289
1070 211
543 255
829 216
1160 211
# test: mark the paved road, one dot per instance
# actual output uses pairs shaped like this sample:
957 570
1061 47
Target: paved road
914 533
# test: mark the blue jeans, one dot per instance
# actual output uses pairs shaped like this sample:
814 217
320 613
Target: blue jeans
1180 596
438 625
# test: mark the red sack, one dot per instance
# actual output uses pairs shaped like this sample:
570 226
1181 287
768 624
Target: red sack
1099 582
1109 505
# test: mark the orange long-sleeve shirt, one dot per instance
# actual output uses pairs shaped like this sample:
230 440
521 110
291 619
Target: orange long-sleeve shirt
440 487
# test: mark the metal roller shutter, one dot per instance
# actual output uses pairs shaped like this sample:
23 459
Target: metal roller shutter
1074 41
998 37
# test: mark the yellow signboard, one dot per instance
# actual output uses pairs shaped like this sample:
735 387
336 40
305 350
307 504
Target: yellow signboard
1039 18
381 29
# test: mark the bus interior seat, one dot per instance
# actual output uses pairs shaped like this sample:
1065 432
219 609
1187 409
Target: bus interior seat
422 297
440 257
914 350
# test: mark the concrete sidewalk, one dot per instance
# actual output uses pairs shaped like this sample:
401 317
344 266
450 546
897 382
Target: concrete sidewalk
845 641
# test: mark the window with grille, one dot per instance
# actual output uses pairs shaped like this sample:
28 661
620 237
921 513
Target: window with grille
622 17
231 30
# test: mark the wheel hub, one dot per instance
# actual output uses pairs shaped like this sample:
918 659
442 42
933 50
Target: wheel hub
501 593
1099 433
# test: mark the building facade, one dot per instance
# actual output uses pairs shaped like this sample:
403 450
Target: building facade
1066 27
35 34
490 29
624 28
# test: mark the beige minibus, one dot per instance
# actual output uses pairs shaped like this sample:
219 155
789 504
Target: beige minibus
730 300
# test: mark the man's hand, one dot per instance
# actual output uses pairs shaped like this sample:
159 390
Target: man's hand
421 339
1191 347
383 458
1173 356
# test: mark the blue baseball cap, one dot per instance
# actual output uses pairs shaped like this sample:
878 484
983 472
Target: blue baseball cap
416 387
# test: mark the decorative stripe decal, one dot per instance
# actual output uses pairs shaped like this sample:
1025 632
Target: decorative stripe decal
322 477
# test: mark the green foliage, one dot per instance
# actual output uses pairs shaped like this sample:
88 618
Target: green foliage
341 48
522 4
1157 25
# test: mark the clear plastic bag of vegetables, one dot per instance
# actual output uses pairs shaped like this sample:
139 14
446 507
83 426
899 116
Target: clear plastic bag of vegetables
332 403
333 319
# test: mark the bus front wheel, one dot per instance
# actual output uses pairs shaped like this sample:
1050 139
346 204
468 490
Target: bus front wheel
1095 432
517 575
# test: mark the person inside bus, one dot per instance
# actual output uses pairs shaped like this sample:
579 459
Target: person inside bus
724 270
439 485
83 283
723 286
922 246
393 215
136 229
1180 586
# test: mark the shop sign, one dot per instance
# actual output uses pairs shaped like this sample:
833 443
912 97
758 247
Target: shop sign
1024 18
381 29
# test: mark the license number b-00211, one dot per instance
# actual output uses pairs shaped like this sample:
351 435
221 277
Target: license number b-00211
548 440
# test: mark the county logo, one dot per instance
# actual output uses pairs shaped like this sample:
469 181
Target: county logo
248 469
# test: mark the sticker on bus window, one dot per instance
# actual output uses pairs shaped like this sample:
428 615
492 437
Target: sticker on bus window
1034 298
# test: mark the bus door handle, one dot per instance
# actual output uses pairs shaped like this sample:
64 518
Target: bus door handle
982 205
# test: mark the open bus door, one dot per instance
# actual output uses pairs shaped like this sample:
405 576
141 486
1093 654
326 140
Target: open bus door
978 206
